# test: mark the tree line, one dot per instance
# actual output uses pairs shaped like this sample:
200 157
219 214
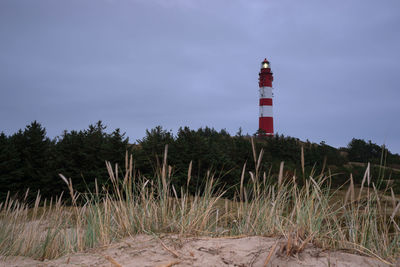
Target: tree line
30 159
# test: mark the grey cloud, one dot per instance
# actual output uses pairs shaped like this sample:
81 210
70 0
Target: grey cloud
136 64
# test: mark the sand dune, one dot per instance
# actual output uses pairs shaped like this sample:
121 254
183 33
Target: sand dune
172 250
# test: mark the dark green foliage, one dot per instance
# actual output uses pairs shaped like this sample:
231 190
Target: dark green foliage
11 173
361 151
29 159
150 150
211 153
82 155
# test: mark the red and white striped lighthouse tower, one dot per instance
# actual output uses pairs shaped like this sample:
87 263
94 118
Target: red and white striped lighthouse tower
266 120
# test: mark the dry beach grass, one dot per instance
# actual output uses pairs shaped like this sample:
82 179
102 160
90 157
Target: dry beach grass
361 220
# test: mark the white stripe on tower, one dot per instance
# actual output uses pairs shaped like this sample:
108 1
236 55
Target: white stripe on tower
266 92
266 102
266 111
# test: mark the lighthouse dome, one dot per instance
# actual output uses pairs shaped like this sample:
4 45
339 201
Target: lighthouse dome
265 64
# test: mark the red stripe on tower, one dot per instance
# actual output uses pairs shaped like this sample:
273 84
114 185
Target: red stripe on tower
265 101
266 120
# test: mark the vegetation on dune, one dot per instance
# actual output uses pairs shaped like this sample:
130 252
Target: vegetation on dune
29 159
214 184
363 221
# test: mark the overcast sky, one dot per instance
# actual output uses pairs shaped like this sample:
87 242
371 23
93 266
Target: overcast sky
136 64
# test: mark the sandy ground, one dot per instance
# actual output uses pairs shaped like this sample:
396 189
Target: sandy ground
169 250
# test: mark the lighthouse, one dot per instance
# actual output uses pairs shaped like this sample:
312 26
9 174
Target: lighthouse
266 120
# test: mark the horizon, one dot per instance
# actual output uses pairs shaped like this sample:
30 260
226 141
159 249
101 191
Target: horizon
174 134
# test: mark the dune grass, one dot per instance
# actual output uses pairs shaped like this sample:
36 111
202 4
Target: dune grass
365 223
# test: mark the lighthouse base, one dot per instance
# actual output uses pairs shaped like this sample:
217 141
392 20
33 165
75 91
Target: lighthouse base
266 126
